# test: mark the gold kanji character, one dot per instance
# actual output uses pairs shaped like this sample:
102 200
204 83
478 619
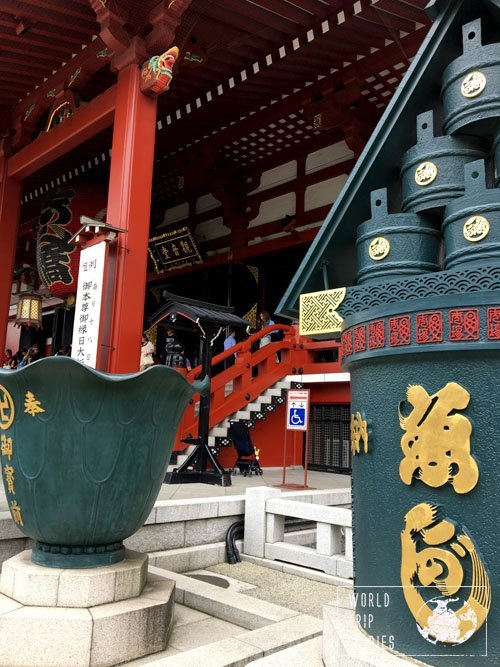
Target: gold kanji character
6 446
31 405
6 409
436 443
15 510
359 432
8 471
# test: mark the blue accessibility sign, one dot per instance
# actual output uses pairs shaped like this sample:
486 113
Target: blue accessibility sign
297 417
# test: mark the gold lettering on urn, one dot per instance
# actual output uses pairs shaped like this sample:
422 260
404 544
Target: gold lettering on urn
473 84
445 617
15 510
6 409
8 472
379 248
436 443
31 404
6 446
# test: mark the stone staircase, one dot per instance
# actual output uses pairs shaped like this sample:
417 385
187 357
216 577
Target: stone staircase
256 411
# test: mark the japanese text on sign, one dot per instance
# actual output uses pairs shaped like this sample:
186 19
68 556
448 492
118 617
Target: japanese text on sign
173 250
88 305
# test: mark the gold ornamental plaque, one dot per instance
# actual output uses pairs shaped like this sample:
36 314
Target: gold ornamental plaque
476 228
379 248
318 312
426 173
473 84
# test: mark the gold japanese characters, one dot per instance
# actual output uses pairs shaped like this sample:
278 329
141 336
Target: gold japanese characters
433 552
379 248
436 448
7 411
473 84
359 433
476 228
436 443
426 173
32 407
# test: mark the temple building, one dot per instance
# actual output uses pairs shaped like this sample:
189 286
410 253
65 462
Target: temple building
204 142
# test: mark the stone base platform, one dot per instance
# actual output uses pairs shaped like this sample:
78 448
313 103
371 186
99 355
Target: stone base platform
84 618
345 644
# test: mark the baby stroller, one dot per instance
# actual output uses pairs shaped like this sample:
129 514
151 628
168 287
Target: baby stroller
248 456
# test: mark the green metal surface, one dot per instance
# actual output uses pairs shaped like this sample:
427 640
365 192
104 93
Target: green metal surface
449 155
478 200
477 114
412 241
89 454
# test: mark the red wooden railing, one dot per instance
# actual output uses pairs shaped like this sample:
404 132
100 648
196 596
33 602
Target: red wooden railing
255 371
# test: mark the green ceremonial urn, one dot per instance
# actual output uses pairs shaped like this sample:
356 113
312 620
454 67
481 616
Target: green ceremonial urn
84 454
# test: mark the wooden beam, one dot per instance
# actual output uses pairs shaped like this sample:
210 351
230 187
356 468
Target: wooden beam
87 59
84 124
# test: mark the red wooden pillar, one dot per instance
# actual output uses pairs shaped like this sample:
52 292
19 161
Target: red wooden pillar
10 208
129 204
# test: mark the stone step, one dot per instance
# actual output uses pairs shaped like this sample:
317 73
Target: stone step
283 384
218 432
272 391
241 415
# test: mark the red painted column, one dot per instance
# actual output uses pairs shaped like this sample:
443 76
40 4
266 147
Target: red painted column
129 204
10 208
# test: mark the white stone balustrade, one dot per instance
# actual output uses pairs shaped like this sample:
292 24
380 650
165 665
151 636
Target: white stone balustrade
265 512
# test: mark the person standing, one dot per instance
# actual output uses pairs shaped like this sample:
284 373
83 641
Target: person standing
147 351
265 321
228 344
174 351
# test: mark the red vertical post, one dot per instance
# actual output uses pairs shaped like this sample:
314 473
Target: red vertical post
10 208
129 204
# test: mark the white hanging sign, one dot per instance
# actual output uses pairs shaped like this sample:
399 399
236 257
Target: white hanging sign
88 304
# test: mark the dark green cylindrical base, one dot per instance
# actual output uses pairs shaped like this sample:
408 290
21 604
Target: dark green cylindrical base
432 342
449 155
76 557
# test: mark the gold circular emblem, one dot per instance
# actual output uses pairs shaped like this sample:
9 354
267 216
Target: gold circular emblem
473 84
6 409
379 248
476 228
426 173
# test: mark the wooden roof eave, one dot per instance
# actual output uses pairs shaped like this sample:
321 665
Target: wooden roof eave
334 246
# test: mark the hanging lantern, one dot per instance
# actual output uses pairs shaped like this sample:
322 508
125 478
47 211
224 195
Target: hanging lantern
29 310
57 257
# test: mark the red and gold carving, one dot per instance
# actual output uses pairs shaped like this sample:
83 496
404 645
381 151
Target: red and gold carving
157 74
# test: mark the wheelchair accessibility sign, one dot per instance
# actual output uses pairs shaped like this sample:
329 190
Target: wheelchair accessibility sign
297 409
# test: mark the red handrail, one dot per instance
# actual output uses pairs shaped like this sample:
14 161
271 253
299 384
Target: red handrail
254 372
